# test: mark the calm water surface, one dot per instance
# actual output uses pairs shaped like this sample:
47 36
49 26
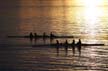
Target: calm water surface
89 24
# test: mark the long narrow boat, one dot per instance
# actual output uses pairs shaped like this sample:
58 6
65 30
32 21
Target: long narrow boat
61 45
49 45
40 36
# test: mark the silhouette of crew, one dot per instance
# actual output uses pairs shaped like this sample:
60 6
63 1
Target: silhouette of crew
57 47
57 42
44 37
51 37
35 36
66 47
31 36
73 46
79 46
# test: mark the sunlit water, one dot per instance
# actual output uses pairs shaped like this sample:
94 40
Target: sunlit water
89 24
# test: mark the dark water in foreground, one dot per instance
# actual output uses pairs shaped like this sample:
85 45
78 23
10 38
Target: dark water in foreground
88 24
24 57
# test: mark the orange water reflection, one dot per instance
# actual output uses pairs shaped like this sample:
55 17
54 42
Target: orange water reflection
91 20
91 17
65 17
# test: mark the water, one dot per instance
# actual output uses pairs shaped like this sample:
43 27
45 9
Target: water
89 24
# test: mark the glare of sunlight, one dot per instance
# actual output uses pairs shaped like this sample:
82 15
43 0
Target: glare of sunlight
92 3
92 20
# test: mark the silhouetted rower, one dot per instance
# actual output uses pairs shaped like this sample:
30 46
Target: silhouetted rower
57 42
66 47
51 37
35 35
57 47
44 37
79 46
31 36
66 42
73 46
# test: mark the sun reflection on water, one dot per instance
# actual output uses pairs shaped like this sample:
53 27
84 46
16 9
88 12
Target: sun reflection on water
92 3
91 17
87 17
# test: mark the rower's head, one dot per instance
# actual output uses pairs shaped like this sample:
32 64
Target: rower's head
66 41
73 40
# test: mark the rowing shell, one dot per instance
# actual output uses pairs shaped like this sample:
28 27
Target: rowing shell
40 36
58 45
